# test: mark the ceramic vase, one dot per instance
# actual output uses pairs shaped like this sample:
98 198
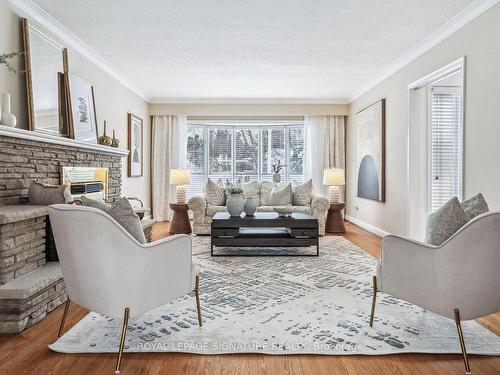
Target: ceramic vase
235 204
115 142
104 139
7 118
276 177
250 206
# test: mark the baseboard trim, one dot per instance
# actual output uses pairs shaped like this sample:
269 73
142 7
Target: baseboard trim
370 228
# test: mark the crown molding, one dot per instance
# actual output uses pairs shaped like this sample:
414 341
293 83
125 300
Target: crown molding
33 12
248 101
474 10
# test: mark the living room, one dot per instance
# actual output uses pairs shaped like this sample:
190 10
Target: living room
250 188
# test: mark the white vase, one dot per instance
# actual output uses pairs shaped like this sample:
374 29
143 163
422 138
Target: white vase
235 204
276 177
250 206
7 119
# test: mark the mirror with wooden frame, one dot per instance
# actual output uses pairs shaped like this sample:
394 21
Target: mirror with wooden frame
46 65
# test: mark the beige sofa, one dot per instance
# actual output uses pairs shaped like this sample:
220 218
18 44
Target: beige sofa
203 212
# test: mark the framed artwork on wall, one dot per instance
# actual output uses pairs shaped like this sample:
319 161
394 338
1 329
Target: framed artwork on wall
370 152
83 119
135 146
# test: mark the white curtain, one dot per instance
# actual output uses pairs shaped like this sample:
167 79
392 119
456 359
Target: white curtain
324 147
168 150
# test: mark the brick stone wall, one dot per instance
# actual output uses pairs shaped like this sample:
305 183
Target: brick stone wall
22 248
23 161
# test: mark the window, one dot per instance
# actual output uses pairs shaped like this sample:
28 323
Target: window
446 144
243 153
273 149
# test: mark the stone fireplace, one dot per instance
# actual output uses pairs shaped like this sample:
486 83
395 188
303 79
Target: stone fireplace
31 287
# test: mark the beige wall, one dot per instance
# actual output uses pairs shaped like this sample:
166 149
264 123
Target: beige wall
233 109
113 100
479 42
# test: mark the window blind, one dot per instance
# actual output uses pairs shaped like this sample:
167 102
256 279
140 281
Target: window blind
243 152
446 145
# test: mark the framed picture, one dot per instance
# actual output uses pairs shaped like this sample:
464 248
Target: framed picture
134 146
370 152
83 119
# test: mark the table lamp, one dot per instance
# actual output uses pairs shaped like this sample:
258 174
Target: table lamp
180 177
334 178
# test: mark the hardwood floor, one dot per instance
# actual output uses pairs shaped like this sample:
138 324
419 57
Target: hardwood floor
27 353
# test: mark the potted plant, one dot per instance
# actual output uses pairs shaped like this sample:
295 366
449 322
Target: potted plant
277 168
235 201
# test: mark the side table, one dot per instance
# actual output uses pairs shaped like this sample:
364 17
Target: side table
334 220
180 220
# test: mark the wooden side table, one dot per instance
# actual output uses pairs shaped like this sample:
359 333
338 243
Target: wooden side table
334 220
180 220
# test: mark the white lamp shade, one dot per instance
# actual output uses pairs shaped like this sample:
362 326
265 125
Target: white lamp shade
334 177
180 176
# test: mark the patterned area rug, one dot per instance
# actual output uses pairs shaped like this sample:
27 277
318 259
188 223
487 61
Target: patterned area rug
282 305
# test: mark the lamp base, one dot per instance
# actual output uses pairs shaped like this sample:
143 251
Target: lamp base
180 193
333 194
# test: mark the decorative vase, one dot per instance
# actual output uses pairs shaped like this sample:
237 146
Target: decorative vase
104 139
115 142
276 177
250 206
7 118
235 204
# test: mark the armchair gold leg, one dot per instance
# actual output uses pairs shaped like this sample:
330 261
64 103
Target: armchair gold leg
65 314
374 299
462 342
197 294
122 340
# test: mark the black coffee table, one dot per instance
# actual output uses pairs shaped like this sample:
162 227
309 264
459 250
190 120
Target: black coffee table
265 229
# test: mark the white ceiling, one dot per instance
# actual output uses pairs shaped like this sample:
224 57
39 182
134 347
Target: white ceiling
308 50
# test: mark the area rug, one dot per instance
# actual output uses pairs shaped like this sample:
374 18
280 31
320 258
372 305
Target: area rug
282 305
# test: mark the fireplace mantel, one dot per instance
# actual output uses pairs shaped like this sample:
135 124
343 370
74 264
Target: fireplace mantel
53 139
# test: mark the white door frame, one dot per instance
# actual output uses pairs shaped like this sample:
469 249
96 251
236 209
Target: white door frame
454 67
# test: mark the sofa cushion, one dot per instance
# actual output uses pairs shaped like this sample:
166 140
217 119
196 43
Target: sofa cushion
303 209
302 193
475 206
445 221
252 190
215 194
281 195
265 192
212 210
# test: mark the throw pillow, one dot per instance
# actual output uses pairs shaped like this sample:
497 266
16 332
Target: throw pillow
251 190
302 193
45 194
215 194
101 205
124 214
281 195
475 206
445 221
265 192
